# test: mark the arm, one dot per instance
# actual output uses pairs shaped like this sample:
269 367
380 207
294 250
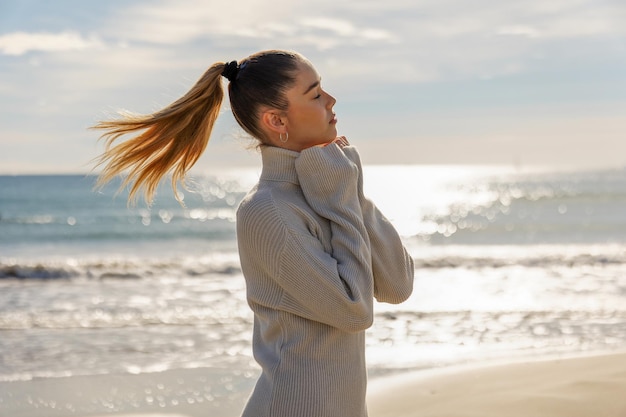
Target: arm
391 264
329 183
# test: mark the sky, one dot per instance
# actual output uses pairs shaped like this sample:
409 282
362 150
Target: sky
524 83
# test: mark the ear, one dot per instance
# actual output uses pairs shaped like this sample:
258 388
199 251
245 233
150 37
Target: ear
274 122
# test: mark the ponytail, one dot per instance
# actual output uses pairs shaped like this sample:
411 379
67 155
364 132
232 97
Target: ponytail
172 139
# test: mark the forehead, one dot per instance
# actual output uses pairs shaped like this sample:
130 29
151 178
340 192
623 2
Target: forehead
305 77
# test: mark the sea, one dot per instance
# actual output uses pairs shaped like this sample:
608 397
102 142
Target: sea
510 262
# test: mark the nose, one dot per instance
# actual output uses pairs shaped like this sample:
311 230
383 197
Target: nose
331 101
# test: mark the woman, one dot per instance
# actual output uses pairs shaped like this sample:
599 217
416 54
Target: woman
314 251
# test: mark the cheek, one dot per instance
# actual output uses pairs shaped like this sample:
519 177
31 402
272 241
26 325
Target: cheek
321 113
311 116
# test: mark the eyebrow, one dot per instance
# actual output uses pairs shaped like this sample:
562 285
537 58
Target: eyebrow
311 87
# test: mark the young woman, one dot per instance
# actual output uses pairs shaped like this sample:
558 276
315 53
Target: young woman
314 251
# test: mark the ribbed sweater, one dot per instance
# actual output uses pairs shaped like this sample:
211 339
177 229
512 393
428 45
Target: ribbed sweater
315 252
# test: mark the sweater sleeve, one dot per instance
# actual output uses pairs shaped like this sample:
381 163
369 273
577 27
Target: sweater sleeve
335 288
287 266
392 266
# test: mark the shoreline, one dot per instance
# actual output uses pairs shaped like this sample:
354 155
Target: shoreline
572 385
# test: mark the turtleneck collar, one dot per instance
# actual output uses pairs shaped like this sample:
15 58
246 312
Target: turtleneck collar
279 164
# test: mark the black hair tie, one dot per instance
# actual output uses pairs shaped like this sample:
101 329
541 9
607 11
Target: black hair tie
230 71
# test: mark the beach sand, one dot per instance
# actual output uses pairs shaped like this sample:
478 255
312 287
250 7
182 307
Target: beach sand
589 386
174 393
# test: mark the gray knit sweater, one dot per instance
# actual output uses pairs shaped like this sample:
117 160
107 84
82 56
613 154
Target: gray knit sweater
315 252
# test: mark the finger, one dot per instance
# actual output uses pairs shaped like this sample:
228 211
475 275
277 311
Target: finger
342 141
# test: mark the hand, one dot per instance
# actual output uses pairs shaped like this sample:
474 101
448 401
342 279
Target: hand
339 140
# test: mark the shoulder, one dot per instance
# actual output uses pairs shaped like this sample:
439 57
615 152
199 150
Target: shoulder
272 211
269 205
257 206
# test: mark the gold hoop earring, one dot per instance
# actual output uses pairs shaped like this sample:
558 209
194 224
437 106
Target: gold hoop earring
280 137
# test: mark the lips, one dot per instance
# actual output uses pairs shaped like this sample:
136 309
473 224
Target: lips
334 119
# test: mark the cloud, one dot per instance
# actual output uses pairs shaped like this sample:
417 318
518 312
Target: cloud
167 23
397 67
549 18
519 30
20 43
432 39
345 29
326 33
170 22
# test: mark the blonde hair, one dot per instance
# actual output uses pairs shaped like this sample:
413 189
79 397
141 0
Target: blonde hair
174 138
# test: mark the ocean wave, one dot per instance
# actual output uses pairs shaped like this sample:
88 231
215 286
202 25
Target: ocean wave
539 261
36 271
136 269
119 318
117 268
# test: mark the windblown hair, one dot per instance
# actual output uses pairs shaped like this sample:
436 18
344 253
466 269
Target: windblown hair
172 140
